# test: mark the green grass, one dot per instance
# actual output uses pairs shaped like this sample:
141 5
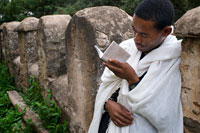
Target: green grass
11 119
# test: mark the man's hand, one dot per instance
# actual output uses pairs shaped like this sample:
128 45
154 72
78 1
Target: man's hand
119 115
122 70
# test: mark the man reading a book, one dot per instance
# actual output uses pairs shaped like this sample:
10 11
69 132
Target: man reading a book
143 94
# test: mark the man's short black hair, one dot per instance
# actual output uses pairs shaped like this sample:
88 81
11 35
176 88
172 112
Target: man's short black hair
159 11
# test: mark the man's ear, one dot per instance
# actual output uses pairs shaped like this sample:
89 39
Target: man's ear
167 30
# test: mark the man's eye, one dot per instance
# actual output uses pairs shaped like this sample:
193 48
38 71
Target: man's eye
144 35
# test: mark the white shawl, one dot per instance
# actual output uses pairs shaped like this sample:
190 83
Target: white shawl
155 101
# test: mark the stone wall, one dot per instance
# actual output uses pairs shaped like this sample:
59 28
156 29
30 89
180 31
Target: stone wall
59 51
2 42
11 45
51 47
188 27
87 28
27 32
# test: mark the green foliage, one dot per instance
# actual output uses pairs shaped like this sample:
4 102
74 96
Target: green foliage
130 5
182 6
19 9
72 7
48 111
10 118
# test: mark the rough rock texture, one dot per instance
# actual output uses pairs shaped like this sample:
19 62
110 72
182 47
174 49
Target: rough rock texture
60 93
188 26
11 44
34 70
19 74
189 23
27 32
28 24
16 99
1 41
3 55
96 25
51 46
190 69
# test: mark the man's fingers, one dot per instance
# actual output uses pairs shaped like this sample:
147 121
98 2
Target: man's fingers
115 62
127 116
125 110
117 124
120 123
125 119
111 67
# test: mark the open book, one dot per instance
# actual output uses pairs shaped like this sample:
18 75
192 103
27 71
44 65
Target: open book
114 51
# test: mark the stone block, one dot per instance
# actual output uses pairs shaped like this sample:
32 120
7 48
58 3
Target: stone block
190 70
11 45
1 40
51 47
16 99
189 24
60 93
3 55
27 33
33 70
88 27
19 74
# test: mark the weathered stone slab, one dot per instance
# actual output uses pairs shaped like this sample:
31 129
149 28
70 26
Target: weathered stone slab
51 46
1 41
16 99
27 32
190 70
34 70
11 44
20 75
3 55
189 23
89 27
188 26
60 93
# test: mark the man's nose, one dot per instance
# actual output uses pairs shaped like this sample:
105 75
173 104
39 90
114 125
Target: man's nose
137 38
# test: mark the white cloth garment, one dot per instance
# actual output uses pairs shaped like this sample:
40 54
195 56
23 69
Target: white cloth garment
155 101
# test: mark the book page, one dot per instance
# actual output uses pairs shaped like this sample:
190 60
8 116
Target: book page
100 53
114 51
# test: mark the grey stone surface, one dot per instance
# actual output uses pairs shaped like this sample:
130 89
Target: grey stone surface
189 23
33 70
28 24
27 33
60 93
3 54
51 47
19 74
1 41
16 99
11 44
89 27
190 70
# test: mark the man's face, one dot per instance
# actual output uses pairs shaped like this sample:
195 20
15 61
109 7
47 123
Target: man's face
147 37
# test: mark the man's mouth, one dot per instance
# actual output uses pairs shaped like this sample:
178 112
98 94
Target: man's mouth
139 45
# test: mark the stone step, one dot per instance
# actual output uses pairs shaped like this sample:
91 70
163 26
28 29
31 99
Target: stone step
16 99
